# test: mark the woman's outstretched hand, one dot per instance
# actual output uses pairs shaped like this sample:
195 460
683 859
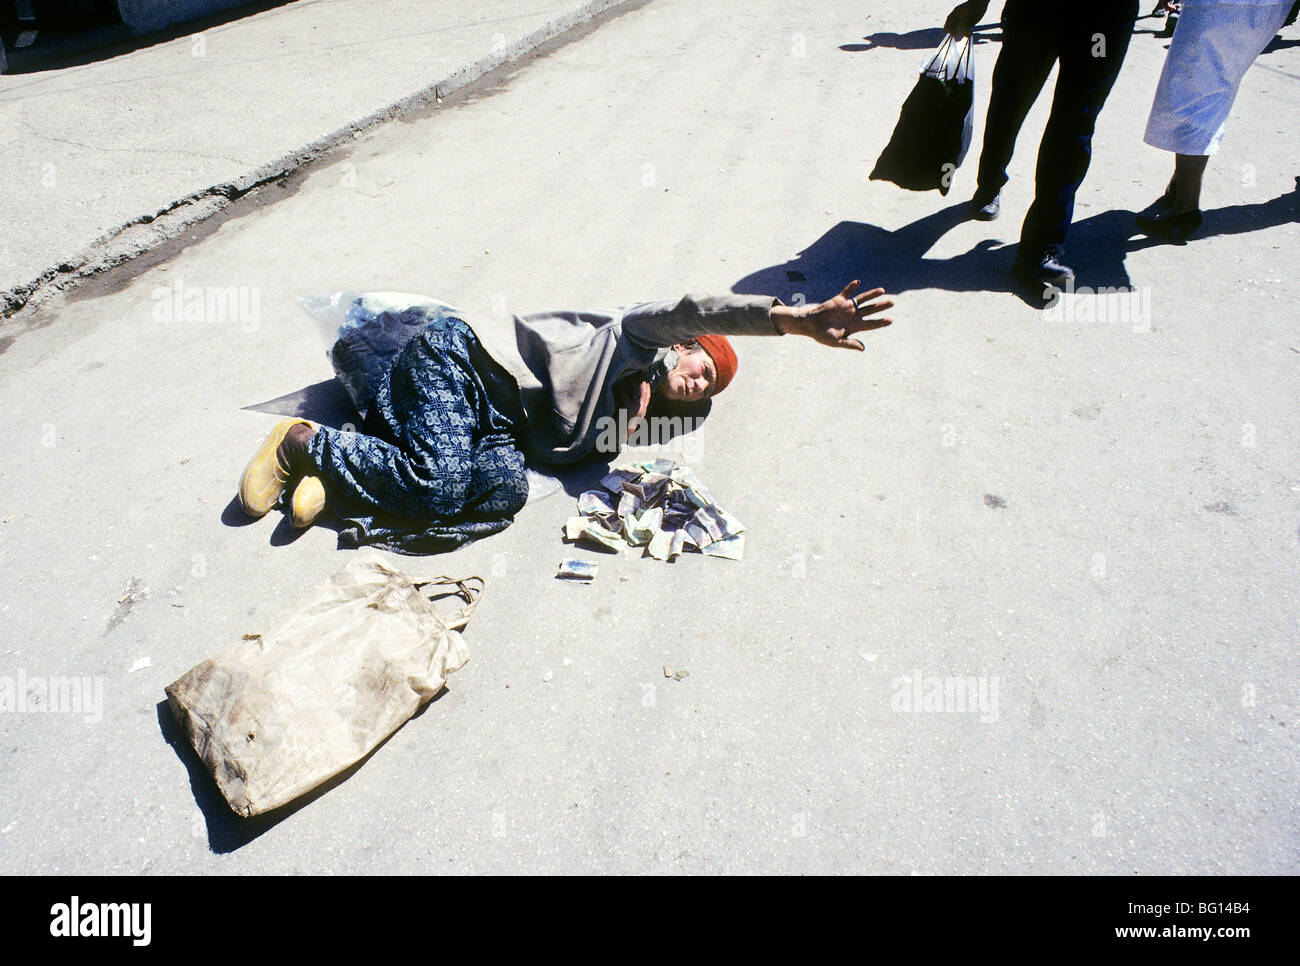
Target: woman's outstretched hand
833 321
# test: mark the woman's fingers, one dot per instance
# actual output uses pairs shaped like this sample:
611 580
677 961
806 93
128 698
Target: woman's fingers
864 303
866 325
842 316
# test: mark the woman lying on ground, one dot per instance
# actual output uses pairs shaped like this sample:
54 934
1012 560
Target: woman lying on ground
441 456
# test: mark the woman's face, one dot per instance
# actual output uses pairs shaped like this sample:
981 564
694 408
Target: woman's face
694 377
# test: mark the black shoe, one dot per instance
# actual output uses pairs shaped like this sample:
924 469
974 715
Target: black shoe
1167 225
1047 269
984 208
1161 204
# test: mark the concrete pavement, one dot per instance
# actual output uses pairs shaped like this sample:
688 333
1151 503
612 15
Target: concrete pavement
123 149
1094 516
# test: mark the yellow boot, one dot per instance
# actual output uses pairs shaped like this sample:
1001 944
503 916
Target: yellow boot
308 502
265 478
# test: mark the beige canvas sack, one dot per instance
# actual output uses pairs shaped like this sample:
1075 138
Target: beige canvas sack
323 684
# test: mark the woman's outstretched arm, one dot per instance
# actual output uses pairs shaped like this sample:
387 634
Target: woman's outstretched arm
652 324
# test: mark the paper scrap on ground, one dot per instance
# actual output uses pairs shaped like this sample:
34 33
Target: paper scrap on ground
577 570
658 507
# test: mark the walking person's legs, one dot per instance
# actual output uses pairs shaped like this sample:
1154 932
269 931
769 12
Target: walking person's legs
1212 49
1093 43
1189 174
1024 62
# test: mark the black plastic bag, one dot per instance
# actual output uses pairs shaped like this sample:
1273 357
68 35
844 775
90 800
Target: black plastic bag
933 131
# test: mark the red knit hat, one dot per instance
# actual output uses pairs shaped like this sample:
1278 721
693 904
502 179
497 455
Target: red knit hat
724 359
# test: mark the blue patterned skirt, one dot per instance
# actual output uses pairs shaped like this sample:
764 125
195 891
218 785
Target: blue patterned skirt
437 464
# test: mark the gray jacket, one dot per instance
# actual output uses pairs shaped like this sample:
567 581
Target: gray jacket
567 363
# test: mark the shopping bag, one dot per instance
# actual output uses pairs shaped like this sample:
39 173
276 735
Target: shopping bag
323 684
933 131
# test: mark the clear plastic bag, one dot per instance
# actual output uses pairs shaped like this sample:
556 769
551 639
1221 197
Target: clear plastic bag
364 331
951 61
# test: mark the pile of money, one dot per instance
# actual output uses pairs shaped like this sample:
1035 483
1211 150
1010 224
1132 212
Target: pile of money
659 506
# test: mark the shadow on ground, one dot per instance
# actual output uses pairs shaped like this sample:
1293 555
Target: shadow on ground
324 402
1279 43
897 261
227 832
927 38
62 41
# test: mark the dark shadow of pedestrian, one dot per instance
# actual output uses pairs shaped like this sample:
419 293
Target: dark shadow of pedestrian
1280 43
897 260
925 39
894 260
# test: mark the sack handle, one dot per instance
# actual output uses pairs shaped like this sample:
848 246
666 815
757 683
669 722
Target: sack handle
963 63
937 65
940 54
469 589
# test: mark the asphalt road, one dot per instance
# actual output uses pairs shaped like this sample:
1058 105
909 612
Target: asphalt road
1098 519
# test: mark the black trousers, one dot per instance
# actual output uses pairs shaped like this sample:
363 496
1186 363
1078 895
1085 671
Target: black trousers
1090 40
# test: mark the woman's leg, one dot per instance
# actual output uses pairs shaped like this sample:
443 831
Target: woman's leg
1214 46
1212 49
446 455
1189 169
1257 28
367 474
1178 212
